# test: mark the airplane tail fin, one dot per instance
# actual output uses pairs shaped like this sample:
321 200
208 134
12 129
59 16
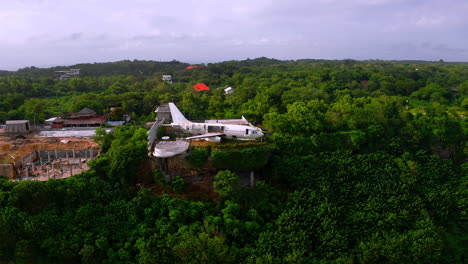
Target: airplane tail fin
177 116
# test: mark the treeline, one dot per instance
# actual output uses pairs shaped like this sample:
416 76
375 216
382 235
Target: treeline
125 67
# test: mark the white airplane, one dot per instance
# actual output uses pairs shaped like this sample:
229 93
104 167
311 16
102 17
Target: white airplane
213 131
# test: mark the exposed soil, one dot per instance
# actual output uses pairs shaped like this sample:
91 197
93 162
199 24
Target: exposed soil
14 149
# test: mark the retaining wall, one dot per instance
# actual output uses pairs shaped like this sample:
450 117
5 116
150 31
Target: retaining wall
7 170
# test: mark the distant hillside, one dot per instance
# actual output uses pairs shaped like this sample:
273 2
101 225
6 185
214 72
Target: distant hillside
5 73
125 67
135 67
145 68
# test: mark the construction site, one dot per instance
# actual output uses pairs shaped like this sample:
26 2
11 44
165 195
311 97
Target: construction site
29 157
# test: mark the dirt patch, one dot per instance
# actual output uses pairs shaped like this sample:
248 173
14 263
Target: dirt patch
14 149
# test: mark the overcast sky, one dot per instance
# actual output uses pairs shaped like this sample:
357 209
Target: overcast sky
64 32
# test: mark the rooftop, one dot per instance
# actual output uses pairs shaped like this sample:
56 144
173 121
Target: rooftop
86 110
14 122
163 108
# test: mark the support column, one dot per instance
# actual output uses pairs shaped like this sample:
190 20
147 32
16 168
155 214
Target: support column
48 157
252 178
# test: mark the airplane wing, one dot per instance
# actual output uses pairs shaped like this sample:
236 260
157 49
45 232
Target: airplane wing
207 135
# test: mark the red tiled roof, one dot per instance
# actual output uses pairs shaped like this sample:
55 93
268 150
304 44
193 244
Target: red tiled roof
192 67
201 87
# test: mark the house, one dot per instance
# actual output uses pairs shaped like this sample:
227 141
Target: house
228 90
17 126
67 74
50 120
83 113
86 117
193 67
167 78
90 122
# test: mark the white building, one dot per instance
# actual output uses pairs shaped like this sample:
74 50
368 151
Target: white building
167 78
228 90
67 74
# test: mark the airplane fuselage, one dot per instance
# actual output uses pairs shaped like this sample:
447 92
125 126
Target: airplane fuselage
229 131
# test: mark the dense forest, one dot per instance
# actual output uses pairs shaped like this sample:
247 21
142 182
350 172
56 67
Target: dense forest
367 165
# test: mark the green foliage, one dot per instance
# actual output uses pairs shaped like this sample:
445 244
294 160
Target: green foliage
162 131
128 150
394 208
179 184
159 178
243 159
198 157
226 183
104 139
348 180
202 248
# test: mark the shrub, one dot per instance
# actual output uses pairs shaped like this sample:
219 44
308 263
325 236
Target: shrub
198 157
179 184
241 159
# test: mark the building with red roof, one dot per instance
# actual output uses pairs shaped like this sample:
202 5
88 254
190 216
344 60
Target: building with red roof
201 87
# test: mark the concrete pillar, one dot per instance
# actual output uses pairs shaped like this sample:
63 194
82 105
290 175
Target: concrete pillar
48 157
53 170
73 154
56 156
71 170
27 172
252 178
79 161
48 176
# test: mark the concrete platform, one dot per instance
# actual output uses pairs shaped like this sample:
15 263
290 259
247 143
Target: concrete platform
166 149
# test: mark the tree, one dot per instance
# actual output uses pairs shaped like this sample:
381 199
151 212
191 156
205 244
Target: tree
226 183
202 248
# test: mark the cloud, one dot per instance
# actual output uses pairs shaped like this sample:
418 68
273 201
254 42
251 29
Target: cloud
42 32
446 49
